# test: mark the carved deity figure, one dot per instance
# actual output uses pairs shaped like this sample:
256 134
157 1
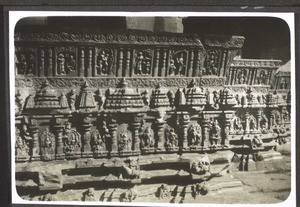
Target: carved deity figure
98 142
47 145
172 138
241 78
146 98
252 125
89 195
146 136
211 63
124 142
195 135
22 143
238 126
172 68
61 64
179 64
99 99
103 63
71 63
71 139
215 132
163 191
216 99
262 78
142 63
72 99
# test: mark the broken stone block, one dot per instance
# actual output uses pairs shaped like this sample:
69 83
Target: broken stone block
50 180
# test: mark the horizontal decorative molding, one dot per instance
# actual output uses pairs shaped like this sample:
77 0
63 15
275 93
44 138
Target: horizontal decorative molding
98 82
224 41
256 63
111 38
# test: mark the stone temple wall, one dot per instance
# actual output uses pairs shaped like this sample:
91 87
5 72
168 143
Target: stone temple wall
137 96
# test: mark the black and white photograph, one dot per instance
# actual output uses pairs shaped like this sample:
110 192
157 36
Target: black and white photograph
152 108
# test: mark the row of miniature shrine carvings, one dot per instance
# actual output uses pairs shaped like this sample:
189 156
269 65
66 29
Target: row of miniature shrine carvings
63 140
213 100
127 61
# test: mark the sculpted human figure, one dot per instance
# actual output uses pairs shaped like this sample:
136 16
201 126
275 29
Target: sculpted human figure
71 63
172 138
179 64
61 64
72 99
215 132
172 68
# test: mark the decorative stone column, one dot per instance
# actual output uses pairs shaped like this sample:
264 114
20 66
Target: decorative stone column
228 125
136 137
160 135
59 128
259 113
205 130
247 122
35 150
113 131
185 122
86 126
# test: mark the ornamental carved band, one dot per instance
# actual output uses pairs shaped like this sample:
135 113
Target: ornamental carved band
108 94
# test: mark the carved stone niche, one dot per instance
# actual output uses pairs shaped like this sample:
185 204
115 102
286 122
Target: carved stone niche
124 137
47 144
23 143
65 61
100 139
72 141
146 135
25 61
142 62
195 136
172 139
178 63
104 62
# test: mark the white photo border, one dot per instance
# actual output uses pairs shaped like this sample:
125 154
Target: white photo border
15 16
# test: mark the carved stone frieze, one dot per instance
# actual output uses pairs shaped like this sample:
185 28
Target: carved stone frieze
111 38
225 41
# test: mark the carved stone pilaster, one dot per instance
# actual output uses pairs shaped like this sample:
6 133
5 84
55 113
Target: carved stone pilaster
58 130
185 122
113 131
86 126
205 124
160 135
136 138
228 126
247 115
259 113
35 148
136 124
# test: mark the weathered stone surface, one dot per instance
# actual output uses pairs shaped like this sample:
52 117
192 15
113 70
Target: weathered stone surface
50 180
